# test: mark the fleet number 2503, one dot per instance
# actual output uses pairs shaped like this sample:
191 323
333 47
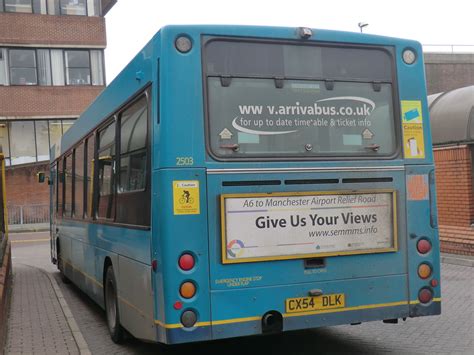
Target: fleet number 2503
184 161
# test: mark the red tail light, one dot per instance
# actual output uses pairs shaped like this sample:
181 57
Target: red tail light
425 295
186 262
423 246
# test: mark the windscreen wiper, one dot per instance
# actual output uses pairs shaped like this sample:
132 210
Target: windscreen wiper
374 147
234 147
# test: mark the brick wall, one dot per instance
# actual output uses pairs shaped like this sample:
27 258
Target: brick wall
34 101
31 29
455 199
22 187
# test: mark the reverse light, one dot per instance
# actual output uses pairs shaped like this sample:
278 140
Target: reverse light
188 318
424 271
425 295
423 246
186 262
187 289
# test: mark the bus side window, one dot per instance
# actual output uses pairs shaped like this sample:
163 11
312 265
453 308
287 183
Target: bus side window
133 194
79 181
60 188
68 176
89 193
106 172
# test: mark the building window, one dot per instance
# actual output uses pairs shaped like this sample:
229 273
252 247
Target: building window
18 6
44 67
22 142
57 67
97 67
52 7
42 140
3 66
23 67
40 7
78 69
5 142
47 67
67 124
55 132
73 7
28 141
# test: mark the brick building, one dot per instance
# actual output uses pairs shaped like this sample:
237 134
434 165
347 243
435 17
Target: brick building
452 126
51 68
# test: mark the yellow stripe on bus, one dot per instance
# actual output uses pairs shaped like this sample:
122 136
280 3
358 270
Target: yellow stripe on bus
29 240
286 315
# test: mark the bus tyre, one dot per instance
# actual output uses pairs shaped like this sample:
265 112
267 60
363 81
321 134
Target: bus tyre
111 307
61 270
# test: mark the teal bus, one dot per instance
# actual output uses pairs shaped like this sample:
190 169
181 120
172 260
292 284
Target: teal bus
238 180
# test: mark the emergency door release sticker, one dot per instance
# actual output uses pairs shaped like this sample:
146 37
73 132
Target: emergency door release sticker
186 197
412 122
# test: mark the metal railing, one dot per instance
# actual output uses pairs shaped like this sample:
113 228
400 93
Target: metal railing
27 214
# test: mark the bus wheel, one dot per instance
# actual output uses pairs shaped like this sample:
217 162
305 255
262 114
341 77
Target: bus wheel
111 307
61 269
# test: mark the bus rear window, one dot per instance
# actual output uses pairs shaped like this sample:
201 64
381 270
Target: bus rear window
282 100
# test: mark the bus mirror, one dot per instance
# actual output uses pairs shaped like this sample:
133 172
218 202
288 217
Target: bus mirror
41 177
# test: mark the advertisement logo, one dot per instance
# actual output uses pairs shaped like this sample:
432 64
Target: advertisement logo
235 248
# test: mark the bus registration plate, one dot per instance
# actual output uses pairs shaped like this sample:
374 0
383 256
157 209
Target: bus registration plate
317 303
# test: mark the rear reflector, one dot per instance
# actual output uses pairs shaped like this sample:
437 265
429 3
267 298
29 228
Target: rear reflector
425 295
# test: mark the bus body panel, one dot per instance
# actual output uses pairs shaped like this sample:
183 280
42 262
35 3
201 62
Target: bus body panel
136 298
270 273
385 297
422 223
85 248
181 233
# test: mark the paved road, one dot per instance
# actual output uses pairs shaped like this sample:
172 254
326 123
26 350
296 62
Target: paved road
450 333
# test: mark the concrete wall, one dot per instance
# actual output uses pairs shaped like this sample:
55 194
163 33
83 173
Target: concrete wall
448 71
455 199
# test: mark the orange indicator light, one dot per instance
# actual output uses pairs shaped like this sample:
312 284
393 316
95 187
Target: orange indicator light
187 289
424 271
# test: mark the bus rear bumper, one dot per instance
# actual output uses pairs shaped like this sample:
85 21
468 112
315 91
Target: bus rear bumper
237 328
366 299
